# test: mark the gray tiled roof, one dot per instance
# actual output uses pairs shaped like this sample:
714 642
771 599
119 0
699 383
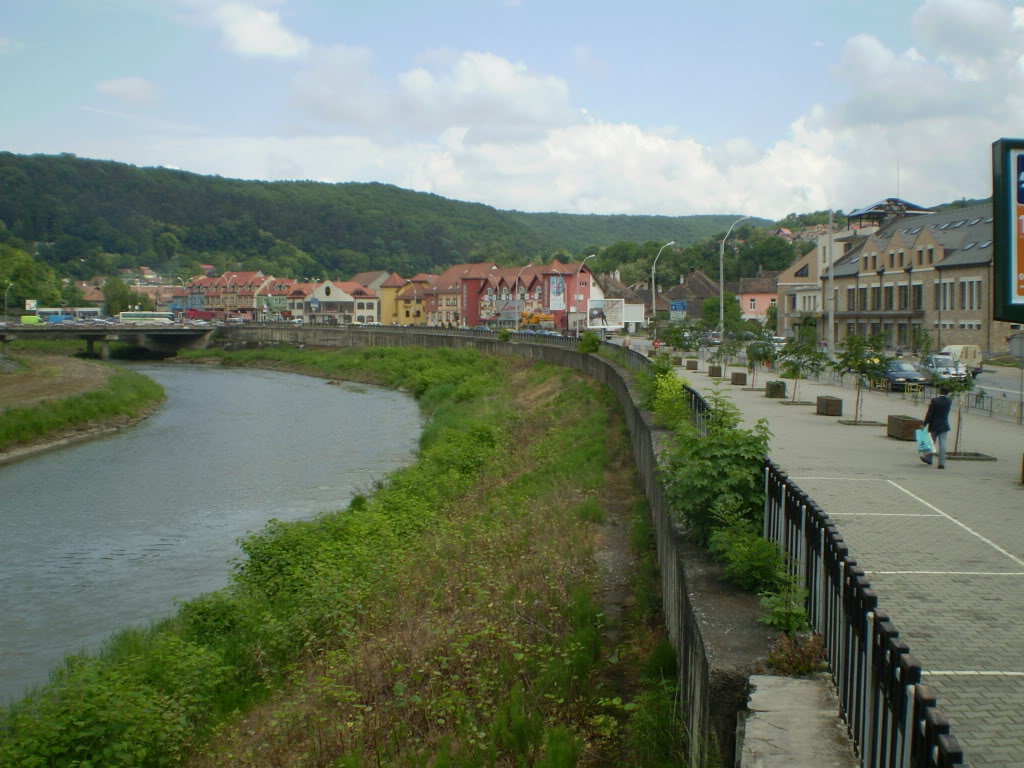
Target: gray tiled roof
965 235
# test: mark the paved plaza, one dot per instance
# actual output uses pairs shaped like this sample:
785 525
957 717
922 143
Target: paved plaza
943 548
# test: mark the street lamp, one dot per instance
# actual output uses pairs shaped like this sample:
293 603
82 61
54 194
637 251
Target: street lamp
654 313
576 288
721 277
6 291
515 297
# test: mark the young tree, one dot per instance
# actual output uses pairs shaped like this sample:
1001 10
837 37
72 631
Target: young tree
801 356
866 359
760 351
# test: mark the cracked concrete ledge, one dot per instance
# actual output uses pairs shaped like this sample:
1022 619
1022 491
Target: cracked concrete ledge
794 723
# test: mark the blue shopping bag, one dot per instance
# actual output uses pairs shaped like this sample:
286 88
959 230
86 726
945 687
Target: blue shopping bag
924 442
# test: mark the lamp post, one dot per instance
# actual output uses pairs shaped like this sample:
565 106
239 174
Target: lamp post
654 314
721 276
6 291
576 288
515 295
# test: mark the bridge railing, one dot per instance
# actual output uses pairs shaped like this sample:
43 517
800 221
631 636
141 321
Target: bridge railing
891 717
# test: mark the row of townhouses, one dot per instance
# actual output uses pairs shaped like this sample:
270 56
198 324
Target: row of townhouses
464 295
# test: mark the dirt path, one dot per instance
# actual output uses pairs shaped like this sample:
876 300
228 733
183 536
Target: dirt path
44 377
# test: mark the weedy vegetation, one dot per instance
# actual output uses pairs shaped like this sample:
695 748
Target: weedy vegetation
452 618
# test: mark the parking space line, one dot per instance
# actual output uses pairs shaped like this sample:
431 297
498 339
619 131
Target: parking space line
967 528
972 673
881 514
945 573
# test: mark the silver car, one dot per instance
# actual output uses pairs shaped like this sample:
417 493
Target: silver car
944 368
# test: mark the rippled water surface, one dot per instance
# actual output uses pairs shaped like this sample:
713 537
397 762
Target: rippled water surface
109 533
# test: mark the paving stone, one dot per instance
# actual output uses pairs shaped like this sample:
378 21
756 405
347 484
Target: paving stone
953 622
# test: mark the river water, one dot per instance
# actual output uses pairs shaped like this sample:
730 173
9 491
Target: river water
110 533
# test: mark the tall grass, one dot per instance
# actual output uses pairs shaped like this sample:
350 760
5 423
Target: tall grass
126 393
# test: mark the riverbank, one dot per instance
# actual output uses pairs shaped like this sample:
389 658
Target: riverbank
482 602
54 400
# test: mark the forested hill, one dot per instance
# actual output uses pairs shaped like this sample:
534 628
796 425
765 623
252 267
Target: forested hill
95 216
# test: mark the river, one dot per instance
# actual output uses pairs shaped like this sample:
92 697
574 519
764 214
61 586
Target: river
110 533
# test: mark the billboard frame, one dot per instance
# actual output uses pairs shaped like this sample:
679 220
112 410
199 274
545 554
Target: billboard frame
603 305
1008 240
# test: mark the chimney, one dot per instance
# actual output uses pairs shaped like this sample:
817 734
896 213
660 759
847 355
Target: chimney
618 277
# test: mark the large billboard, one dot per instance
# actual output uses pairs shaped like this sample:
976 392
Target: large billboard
605 313
510 310
556 288
1008 230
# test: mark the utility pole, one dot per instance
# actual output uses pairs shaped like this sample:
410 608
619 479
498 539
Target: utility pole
831 262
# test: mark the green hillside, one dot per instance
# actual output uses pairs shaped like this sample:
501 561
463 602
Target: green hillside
90 217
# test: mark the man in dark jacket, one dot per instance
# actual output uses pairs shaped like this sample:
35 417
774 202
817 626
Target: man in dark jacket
937 422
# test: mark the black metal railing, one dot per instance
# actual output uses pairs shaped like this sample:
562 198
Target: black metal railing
892 718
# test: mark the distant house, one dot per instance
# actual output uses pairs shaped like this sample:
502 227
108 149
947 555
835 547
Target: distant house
756 294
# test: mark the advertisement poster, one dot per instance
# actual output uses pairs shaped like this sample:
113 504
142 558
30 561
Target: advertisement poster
1017 261
557 289
605 313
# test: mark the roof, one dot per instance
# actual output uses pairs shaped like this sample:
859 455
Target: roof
965 235
615 289
395 280
883 209
365 278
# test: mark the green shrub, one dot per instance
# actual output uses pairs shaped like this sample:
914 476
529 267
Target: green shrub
590 342
720 473
786 607
752 562
670 402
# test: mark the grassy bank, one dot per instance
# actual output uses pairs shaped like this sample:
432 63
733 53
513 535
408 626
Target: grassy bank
126 395
455 617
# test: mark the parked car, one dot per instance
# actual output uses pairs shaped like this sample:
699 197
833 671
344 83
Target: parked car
968 354
899 373
556 334
943 367
480 328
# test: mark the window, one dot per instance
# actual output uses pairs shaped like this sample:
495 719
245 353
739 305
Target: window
972 222
958 224
892 259
802 272
862 299
865 264
968 246
792 302
917 297
874 261
931 255
889 296
851 299
876 297
774 301
985 244
900 257
920 257
963 294
753 304
904 296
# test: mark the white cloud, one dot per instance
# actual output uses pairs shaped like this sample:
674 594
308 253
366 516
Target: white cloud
493 98
136 91
252 31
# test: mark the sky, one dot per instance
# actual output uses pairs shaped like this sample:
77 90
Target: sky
671 107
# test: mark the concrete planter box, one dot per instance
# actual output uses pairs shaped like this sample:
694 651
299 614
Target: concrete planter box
739 378
691 365
903 427
715 371
830 406
677 360
775 389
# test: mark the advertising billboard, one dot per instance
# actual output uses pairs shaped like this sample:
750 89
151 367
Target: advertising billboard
1008 230
605 313
510 309
556 288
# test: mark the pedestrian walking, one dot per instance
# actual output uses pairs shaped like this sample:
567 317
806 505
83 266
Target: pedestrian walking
936 420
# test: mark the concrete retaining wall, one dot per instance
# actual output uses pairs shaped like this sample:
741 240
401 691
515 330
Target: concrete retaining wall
712 624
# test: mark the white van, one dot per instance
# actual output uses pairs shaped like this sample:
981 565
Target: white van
968 354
